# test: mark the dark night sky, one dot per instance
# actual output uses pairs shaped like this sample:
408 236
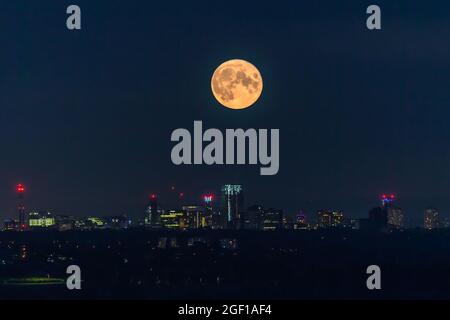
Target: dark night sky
86 116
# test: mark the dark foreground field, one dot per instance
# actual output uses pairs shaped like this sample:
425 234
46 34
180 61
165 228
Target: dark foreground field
141 264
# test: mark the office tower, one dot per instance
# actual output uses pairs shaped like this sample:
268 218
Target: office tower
272 219
153 213
232 205
194 217
209 211
395 217
252 218
330 219
431 219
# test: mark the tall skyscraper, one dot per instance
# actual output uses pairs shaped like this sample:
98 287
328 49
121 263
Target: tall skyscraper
395 217
209 211
232 205
431 219
153 213
21 207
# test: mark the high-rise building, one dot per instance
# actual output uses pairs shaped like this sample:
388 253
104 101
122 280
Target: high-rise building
153 213
253 217
232 205
209 211
21 206
272 219
195 217
395 217
431 219
330 219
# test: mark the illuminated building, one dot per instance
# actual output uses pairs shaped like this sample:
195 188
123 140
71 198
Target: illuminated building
195 217
431 219
95 223
232 205
153 213
21 207
173 219
330 219
209 211
41 220
338 219
272 219
395 218
252 218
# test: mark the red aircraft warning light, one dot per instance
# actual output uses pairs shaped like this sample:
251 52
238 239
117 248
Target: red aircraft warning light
20 188
153 196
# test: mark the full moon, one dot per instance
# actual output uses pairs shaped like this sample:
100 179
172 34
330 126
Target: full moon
237 84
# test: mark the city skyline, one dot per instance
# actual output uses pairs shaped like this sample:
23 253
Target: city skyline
177 200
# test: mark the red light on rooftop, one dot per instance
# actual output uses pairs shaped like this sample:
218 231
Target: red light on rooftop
153 196
20 188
